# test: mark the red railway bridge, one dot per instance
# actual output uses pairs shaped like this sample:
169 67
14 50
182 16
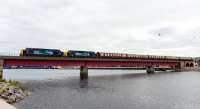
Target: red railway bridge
86 63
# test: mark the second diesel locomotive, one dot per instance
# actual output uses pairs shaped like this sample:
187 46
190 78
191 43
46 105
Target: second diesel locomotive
81 54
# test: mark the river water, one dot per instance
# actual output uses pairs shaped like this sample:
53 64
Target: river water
108 89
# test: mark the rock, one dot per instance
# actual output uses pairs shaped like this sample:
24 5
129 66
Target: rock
11 94
20 96
4 96
15 90
1 91
11 91
12 99
6 93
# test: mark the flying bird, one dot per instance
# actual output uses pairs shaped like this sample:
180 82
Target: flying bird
159 34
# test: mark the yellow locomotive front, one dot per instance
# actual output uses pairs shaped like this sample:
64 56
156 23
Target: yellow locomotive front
22 51
65 53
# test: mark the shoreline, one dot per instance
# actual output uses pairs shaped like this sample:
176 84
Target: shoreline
12 91
5 105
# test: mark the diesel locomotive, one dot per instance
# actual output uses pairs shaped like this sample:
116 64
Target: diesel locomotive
91 54
56 53
41 52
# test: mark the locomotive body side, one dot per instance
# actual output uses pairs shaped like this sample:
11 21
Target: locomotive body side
42 52
81 54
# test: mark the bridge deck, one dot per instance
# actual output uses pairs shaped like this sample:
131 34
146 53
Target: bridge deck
85 63
82 59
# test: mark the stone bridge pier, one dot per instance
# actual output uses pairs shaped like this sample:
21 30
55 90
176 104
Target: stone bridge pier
150 70
1 68
83 73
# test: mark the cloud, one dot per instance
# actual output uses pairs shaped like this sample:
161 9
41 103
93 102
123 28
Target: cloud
106 25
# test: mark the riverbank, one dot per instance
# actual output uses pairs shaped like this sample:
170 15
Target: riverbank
12 91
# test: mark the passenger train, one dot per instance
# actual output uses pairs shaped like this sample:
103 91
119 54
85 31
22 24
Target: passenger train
90 54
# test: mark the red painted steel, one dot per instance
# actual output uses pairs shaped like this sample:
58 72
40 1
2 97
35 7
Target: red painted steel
88 63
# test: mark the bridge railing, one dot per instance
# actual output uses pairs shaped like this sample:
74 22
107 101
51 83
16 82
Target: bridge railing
9 54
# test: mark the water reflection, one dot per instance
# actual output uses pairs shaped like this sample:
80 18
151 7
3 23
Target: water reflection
83 83
43 74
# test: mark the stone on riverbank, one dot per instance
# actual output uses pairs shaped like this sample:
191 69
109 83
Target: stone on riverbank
12 91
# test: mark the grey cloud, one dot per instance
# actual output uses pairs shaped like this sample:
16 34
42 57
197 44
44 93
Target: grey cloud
107 25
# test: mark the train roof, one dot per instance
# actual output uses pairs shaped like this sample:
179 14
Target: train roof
80 51
41 49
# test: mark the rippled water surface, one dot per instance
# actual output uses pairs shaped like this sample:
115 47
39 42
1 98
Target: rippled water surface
108 89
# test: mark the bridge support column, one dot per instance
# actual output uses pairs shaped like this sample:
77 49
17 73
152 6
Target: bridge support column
178 68
83 73
1 69
150 70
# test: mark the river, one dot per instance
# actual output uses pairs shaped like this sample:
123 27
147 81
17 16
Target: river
108 89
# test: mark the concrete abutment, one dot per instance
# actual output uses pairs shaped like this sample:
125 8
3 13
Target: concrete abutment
1 68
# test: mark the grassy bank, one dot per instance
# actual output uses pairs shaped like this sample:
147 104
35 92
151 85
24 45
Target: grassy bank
12 91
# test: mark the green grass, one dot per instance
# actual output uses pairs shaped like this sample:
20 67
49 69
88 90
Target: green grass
13 83
16 84
2 80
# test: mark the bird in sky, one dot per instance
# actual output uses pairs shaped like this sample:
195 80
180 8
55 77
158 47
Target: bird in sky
159 34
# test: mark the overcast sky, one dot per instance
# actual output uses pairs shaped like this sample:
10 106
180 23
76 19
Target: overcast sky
161 27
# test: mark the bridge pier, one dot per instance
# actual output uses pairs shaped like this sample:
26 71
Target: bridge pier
178 68
83 73
1 69
150 70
